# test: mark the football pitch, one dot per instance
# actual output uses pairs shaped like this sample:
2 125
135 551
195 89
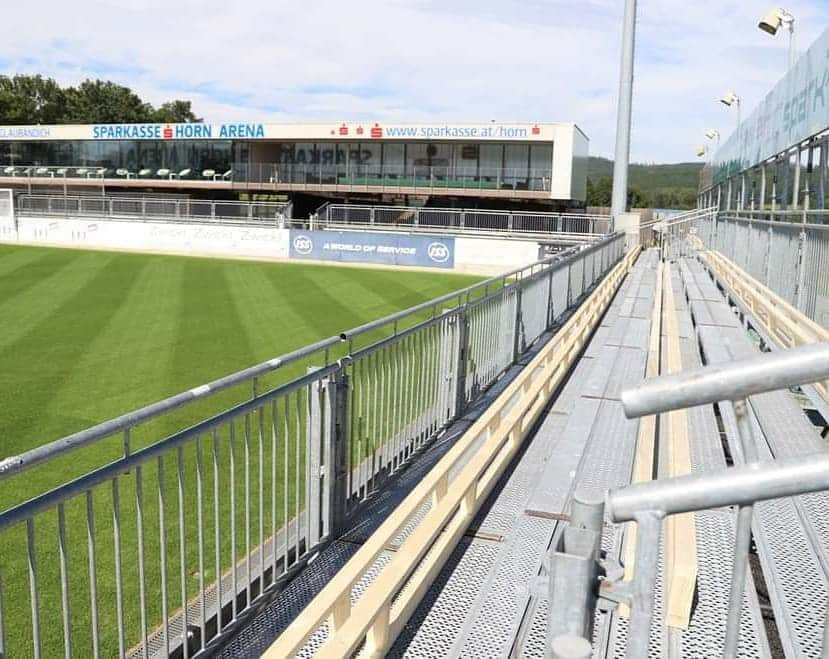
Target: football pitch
86 336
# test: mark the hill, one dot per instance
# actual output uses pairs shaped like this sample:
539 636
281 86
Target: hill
657 185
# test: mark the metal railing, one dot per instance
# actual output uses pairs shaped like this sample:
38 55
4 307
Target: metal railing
153 208
575 559
510 180
410 217
156 531
792 259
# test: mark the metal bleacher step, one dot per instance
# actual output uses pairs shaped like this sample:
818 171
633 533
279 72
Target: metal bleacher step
791 535
490 599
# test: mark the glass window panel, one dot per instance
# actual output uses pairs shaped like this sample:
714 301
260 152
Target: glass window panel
417 160
465 161
394 162
370 159
516 164
491 162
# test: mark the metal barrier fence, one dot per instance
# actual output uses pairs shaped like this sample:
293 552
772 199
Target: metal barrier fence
153 533
790 259
575 589
473 219
151 208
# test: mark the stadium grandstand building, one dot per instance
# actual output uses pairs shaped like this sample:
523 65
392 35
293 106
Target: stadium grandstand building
486 164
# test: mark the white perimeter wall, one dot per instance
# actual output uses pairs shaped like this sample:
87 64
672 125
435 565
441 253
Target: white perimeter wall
489 256
493 256
150 236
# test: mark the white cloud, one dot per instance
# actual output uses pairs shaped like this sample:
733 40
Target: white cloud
535 60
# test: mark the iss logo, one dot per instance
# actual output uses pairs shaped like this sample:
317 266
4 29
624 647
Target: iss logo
303 244
438 252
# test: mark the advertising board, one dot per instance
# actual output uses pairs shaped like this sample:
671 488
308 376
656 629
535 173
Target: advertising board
373 247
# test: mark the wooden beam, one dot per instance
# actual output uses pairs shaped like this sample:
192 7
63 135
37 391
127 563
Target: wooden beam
680 543
783 323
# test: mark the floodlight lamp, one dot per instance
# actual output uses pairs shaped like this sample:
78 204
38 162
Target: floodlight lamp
730 98
712 134
701 151
775 19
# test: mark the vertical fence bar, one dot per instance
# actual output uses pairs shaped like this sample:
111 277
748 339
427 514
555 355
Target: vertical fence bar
182 549
93 572
248 589
200 522
119 579
64 584
2 621
233 566
34 593
274 448
162 541
260 411
142 582
217 528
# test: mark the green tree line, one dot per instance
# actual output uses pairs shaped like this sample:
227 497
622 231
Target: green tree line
651 185
34 99
599 193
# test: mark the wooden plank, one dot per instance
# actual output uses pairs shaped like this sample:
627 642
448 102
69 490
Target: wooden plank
643 464
782 322
373 620
680 543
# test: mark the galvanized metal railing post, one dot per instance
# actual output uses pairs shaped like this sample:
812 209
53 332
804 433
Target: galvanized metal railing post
649 525
550 310
516 346
339 453
573 577
462 322
315 435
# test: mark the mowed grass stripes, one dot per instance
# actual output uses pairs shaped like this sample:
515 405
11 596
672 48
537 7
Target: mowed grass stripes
85 336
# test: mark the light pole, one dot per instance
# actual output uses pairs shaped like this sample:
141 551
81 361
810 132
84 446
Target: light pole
622 155
730 99
773 21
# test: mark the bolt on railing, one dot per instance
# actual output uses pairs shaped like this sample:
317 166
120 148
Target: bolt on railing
580 582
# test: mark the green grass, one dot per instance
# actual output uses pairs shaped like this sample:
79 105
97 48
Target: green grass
85 336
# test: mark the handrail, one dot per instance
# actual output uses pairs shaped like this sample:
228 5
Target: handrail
649 503
377 617
713 384
782 322
18 463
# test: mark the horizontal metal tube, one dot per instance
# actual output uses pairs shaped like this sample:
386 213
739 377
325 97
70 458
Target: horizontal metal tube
737 486
712 384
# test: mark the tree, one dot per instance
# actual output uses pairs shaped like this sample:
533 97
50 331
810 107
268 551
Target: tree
33 99
600 193
28 99
177 111
104 102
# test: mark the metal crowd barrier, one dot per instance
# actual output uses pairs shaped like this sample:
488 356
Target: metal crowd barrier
792 259
147 208
187 518
469 219
576 587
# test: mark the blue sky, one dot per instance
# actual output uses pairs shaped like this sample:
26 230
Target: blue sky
423 60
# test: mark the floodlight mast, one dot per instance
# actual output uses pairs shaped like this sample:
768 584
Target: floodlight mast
622 155
773 21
